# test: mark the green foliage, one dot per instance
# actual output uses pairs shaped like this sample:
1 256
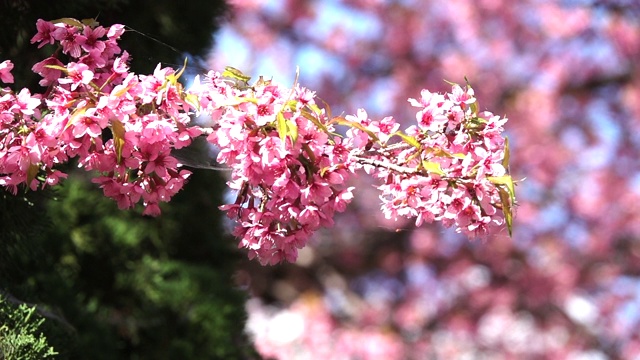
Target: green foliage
119 285
20 336
124 286
154 287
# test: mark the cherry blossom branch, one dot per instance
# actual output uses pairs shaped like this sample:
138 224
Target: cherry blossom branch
386 165
287 161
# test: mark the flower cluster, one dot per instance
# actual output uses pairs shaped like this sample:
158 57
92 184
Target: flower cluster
289 166
449 167
92 93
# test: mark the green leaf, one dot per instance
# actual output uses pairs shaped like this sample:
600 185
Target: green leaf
291 105
236 74
450 82
506 209
173 78
343 121
409 139
507 181
433 167
315 108
69 21
237 100
281 126
327 108
474 107
309 116
292 131
57 67
75 115
442 153
117 128
32 171
192 99
507 192
91 22
505 160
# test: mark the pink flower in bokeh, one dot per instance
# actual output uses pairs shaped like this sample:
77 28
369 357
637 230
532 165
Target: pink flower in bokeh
5 71
77 74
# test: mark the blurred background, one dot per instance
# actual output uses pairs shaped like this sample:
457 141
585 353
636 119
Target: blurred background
565 286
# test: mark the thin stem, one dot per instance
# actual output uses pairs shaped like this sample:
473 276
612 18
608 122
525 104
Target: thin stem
206 130
383 164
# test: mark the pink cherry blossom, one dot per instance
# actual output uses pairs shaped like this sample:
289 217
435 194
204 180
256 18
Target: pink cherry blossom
49 70
5 72
45 33
25 103
77 74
